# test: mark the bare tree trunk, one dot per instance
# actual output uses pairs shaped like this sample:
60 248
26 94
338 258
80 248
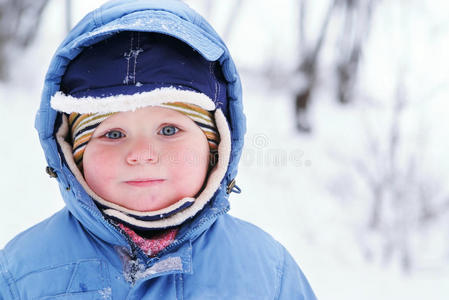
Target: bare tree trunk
357 16
19 21
309 67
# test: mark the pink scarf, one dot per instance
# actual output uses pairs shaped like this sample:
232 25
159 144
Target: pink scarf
151 246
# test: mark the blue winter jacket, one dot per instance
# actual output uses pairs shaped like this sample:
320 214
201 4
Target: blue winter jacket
78 254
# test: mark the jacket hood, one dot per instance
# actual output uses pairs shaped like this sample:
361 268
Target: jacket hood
169 17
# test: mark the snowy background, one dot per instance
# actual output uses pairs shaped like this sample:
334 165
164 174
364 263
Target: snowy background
313 192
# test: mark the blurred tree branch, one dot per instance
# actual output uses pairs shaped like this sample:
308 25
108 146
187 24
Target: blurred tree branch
308 65
19 21
355 25
357 16
403 195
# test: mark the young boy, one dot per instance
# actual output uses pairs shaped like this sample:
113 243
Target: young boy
141 123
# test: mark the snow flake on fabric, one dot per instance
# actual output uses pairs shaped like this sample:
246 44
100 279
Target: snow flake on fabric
166 265
131 60
105 293
163 22
132 269
135 269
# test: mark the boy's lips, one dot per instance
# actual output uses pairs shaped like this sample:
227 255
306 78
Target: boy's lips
144 182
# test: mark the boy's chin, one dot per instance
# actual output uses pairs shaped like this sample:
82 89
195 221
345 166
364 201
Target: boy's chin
146 204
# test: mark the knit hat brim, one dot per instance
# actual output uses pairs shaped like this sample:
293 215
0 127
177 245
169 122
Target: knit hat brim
119 103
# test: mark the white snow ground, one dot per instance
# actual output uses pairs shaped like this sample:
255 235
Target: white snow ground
288 180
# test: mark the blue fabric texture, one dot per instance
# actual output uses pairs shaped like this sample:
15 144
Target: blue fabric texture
78 254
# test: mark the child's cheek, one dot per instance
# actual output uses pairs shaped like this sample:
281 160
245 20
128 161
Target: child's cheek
188 165
182 158
102 162
109 161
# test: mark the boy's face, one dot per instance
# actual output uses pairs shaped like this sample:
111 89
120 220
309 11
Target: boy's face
147 159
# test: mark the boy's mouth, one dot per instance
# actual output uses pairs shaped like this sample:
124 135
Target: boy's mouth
144 182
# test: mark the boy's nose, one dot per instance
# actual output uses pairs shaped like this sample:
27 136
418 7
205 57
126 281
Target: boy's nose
142 153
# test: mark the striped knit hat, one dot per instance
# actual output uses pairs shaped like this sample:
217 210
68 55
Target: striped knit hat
82 126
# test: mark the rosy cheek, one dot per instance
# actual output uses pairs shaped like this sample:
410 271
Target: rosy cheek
102 163
110 160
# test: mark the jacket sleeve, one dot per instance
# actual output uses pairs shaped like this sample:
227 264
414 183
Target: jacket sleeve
293 283
5 288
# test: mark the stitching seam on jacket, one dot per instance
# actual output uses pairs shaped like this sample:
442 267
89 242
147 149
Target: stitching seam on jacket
49 268
179 285
7 276
280 276
72 278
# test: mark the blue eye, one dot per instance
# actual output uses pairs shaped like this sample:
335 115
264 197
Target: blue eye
114 134
169 130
